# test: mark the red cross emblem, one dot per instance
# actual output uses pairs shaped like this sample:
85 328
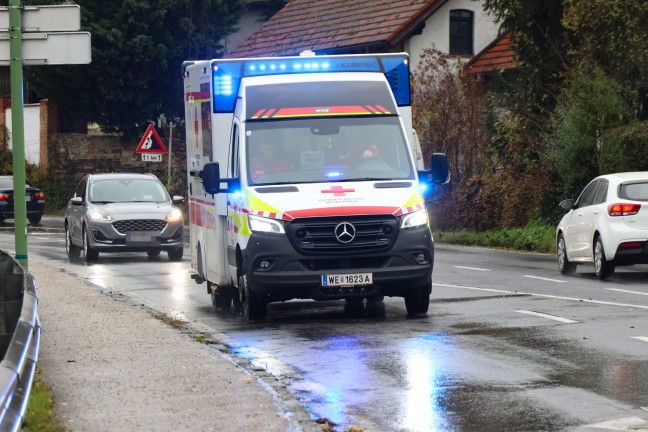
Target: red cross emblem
337 191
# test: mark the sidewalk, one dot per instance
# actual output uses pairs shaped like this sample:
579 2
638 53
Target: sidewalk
113 366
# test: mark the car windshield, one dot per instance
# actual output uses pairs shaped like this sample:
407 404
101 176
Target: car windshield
7 183
327 150
127 190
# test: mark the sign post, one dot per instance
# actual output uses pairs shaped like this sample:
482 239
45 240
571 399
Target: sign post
66 46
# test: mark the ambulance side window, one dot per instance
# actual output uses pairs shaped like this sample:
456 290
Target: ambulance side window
234 162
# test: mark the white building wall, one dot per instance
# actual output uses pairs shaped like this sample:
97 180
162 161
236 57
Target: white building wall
436 33
31 118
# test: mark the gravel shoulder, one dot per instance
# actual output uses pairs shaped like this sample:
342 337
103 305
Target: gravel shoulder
114 366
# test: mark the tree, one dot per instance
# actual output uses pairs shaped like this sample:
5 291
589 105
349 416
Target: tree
138 47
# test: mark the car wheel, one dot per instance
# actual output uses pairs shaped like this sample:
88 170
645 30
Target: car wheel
71 250
221 298
602 267
564 265
34 220
418 301
175 254
89 254
153 253
254 305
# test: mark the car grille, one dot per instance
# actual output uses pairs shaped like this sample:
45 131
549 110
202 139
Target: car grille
317 235
139 225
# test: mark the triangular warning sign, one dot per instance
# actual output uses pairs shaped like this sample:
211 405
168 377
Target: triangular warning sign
151 142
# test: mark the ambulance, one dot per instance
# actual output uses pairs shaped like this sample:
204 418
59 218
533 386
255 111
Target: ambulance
306 181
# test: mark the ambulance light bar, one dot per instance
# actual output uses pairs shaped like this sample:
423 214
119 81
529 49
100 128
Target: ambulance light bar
227 74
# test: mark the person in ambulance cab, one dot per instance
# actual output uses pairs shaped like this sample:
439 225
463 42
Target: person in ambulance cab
351 155
267 159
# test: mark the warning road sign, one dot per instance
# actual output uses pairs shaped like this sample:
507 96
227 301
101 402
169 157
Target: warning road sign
151 143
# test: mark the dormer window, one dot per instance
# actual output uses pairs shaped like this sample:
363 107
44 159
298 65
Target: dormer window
461 32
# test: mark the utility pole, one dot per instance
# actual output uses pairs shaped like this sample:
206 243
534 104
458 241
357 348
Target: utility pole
171 126
18 131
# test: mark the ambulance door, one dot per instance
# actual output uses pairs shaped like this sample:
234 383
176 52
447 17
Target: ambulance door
234 202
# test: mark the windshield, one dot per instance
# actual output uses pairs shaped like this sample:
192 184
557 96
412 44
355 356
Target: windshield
127 190
327 149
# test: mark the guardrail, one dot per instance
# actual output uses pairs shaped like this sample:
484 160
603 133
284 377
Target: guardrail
19 341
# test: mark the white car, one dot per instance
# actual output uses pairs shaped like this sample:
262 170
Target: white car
606 226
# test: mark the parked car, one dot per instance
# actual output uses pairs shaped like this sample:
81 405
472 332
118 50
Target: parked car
34 198
123 212
607 225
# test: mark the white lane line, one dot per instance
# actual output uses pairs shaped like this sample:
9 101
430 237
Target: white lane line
543 295
471 268
551 317
627 291
544 279
641 338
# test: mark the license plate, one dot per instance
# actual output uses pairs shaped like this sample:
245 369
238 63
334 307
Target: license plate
347 279
143 238
27 198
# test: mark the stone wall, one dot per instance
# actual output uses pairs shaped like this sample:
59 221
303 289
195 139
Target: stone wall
72 156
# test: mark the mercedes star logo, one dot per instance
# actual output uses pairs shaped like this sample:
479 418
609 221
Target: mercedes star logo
345 232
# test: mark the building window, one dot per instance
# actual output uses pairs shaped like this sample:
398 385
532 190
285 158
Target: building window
461 32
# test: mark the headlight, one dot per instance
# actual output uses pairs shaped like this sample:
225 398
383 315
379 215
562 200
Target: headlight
174 215
415 219
99 215
260 224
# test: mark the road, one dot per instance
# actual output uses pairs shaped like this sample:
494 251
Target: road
508 344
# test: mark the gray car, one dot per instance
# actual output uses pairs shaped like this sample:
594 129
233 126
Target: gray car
123 212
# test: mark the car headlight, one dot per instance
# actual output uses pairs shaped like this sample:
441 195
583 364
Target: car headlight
99 215
260 224
415 219
174 215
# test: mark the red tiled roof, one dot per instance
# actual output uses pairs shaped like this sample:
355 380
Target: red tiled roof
320 25
497 56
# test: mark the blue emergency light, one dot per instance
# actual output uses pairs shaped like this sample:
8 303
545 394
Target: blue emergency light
227 74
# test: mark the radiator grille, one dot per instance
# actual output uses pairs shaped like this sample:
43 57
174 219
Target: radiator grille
139 225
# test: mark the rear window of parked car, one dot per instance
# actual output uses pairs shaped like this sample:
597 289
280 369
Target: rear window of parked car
634 191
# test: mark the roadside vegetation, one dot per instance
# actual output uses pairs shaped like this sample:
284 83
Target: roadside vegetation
40 411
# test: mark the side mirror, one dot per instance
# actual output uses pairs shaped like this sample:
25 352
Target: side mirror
177 199
439 168
211 178
567 204
76 201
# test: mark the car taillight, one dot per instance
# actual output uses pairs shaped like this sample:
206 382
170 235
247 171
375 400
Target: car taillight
4 197
622 209
39 195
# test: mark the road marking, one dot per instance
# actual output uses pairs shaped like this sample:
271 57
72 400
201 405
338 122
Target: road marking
544 279
543 295
551 317
626 291
623 424
641 338
471 268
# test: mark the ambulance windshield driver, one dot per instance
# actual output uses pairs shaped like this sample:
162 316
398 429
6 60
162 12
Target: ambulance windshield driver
267 159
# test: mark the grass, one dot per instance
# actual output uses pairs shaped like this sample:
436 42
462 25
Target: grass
535 237
40 410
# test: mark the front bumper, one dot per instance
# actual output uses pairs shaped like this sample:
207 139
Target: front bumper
105 238
291 274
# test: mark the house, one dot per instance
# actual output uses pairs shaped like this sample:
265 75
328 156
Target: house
498 56
456 27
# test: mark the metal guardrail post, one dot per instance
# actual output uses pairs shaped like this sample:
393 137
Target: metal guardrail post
19 343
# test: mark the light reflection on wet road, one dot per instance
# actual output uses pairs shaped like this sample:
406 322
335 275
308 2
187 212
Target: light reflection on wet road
474 363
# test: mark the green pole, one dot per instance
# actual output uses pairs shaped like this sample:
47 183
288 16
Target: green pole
18 130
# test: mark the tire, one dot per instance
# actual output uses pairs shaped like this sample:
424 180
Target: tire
89 254
71 250
602 267
354 307
35 219
254 305
565 266
418 301
175 254
153 253
222 299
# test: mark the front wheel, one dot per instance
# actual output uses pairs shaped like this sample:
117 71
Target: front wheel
89 254
602 267
418 301
34 219
565 266
254 305
175 254
71 250
221 298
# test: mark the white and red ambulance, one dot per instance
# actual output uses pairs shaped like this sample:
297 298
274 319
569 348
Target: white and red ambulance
303 183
